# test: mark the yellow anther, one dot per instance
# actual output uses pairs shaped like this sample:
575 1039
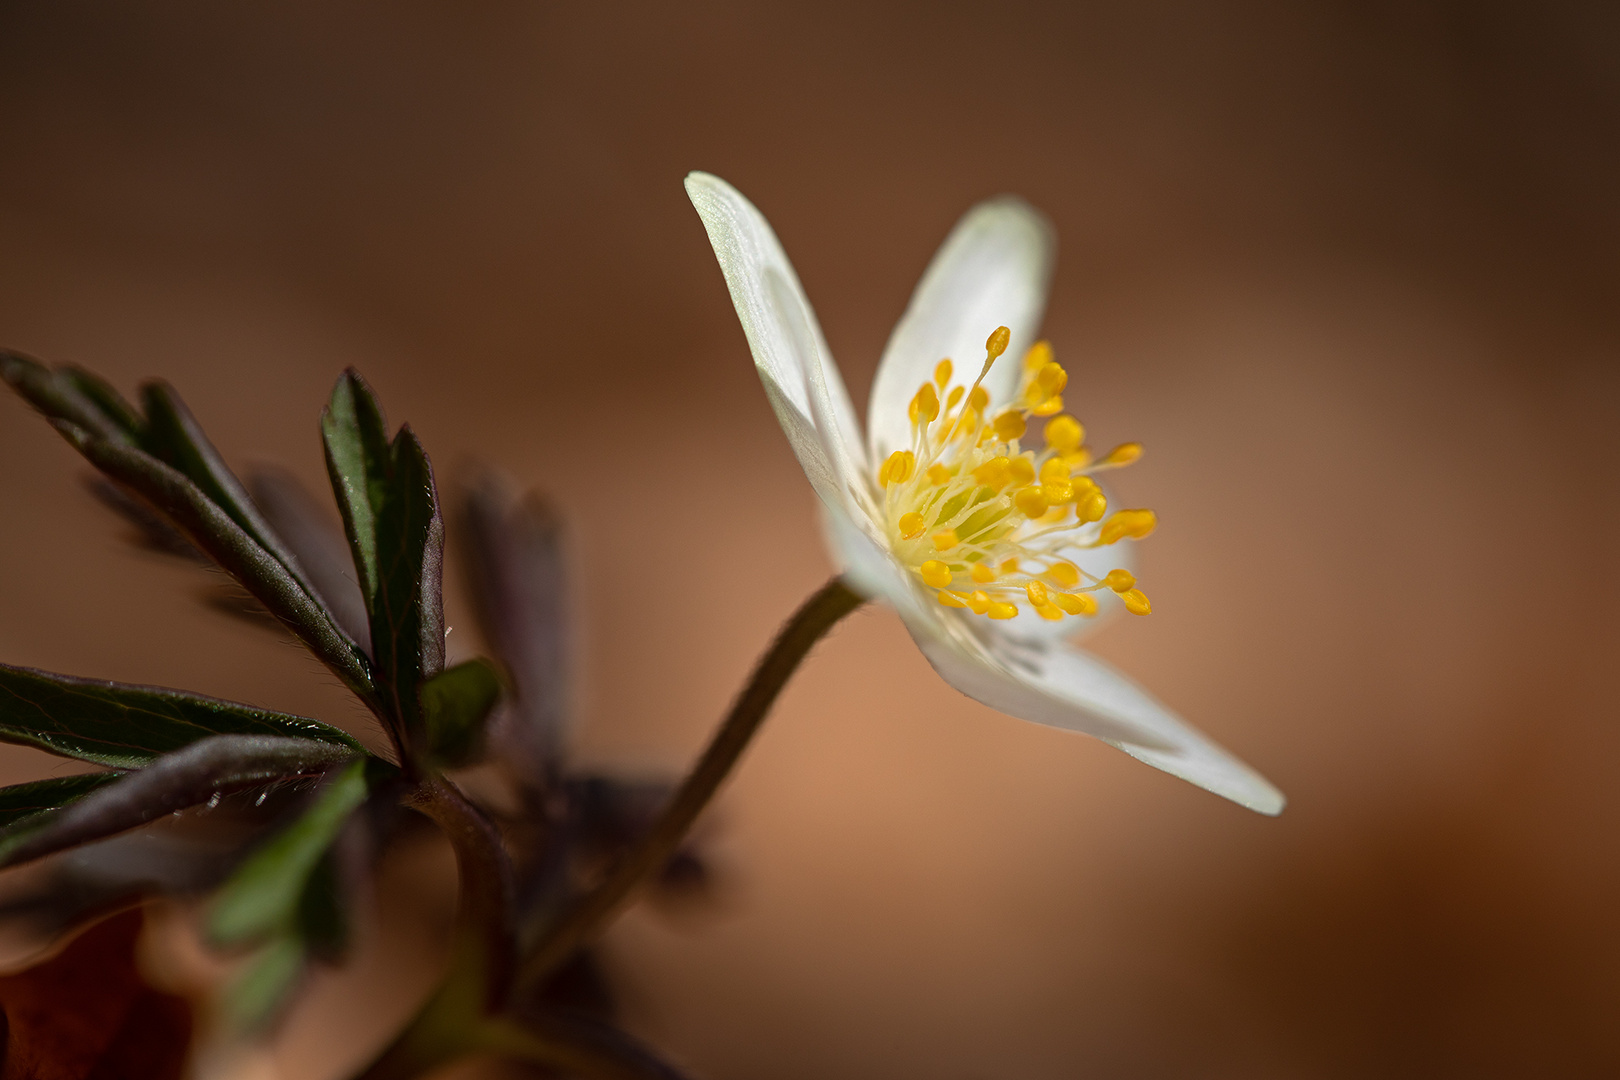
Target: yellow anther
950 599
935 574
981 573
945 540
1054 471
1036 593
979 601
1120 580
1051 405
1049 613
942 373
1077 460
1009 567
1075 605
1051 378
898 469
1022 470
995 473
1136 603
1083 485
912 525
1123 454
1065 574
953 397
1030 502
1064 434
938 474
1002 611
1091 507
1009 425
925 406
996 343
1039 355
979 399
1058 492
1133 523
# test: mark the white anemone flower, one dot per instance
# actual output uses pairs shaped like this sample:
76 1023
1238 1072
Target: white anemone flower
992 554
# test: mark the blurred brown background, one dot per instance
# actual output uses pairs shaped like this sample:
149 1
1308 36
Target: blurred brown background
1348 269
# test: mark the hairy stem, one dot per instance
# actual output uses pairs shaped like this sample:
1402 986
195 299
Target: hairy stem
591 913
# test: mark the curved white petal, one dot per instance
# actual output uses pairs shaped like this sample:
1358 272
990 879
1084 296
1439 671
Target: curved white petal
1066 688
801 380
866 565
991 271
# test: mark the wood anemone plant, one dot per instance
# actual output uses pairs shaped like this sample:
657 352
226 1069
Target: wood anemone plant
309 804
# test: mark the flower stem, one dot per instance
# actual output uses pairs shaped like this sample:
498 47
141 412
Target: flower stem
591 913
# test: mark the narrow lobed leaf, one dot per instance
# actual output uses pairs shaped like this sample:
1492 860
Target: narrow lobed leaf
407 615
71 395
176 781
22 800
267 892
357 460
455 705
517 577
126 726
209 527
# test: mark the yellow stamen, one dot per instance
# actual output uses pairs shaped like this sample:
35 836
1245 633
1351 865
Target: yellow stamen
1049 613
1009 425
945 540
1136 603
979 601
1051 405
1133 523
1065 574
1002 611
950 599
1051 378
898 469
1009 567
953 397
996 343
1054 471
935 574
1038 356
995 473
942 373
925 406
1121 455
1075 605
912 525
1030 502
1036 593
1058 492
1064 434
938 474
981 573
1091 507
1023 470
1120 581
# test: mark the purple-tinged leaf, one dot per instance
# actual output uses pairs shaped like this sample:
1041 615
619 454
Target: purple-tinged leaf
185 778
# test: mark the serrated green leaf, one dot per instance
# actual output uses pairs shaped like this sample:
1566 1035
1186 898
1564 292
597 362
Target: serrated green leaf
185 778
22 800
126 726
264 895
358 461
455 704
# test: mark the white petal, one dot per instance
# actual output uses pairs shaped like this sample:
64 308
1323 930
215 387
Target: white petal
1065 688
991 271
866 565
801 380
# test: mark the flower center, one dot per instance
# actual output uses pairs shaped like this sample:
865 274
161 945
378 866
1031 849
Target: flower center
984 522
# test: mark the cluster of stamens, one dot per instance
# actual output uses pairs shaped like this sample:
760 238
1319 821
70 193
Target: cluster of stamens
982 521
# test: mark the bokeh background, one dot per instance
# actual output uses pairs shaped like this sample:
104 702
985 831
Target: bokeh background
1348 269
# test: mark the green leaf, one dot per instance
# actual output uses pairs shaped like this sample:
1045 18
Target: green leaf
391 515
254 997
357 460
126 726
455 704
185 778
265 893
173 436
22 800
73 396
214 532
